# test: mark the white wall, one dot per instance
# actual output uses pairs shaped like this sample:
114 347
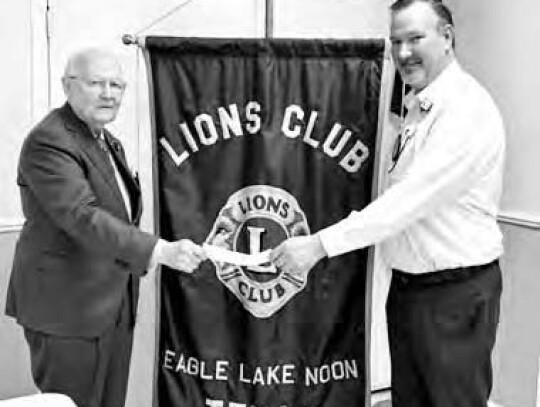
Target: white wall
16 102
497 41
331 18
16 118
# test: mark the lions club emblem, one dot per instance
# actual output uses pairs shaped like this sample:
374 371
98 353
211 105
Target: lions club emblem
254 219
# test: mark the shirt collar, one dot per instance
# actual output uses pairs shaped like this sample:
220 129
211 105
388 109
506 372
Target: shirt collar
98 134
434 93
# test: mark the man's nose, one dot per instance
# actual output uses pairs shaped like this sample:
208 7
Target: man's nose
106 90
403 51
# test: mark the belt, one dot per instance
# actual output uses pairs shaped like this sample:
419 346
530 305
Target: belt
443 276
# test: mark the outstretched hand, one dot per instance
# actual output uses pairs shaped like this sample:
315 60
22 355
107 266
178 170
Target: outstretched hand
298 254
183 255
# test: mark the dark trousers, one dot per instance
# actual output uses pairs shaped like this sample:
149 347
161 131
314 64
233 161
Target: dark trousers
441 330
92 371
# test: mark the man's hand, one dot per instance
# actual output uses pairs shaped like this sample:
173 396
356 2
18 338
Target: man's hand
220 239
183 255
298 254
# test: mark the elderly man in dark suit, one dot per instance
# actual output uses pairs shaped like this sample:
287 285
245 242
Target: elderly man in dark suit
80 255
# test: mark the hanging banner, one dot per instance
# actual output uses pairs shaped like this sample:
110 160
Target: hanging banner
257 141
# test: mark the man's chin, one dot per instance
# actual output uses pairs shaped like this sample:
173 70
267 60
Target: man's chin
104 119
415 81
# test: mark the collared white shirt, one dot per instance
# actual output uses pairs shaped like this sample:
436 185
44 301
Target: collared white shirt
440 207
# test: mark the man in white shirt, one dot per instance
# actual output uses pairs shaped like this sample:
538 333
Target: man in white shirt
436 221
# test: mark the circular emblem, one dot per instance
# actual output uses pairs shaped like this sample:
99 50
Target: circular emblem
254 219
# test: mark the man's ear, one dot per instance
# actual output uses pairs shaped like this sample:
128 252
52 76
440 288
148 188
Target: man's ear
449 35
66 84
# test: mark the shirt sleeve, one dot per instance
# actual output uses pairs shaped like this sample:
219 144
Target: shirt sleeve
157 254
458 150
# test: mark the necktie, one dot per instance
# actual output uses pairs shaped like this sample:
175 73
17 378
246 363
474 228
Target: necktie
103 144
104 147
399 145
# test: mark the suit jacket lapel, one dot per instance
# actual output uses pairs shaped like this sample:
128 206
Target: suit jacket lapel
92 150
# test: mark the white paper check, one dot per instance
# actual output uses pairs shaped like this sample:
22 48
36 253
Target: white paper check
222 255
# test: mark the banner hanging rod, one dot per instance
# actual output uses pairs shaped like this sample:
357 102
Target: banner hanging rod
131 39
269 19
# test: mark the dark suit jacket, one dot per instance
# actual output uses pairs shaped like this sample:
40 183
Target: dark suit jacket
78 248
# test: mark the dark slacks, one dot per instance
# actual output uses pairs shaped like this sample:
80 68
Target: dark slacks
441 330
92 371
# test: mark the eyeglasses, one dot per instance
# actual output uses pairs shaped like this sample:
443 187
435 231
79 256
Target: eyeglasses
116 86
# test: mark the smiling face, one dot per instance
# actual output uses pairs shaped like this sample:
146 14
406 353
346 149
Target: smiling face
421 44
94 87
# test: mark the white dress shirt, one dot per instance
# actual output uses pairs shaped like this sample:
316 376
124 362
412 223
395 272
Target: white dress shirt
439 210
